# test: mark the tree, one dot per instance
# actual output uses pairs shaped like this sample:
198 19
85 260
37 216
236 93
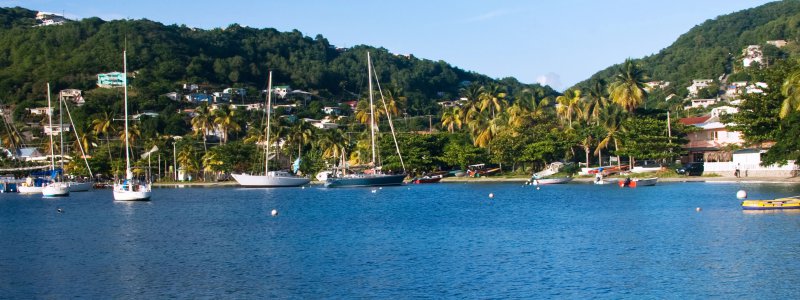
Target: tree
791 90
569 105
224 118
202 123
595 101
628 88
451 118
493 98
104 125
612 120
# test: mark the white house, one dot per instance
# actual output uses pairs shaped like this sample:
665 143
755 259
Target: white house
55 129
657 84
697 85
752 54
281 90
331 110
701 103
73 95
777 43
40 111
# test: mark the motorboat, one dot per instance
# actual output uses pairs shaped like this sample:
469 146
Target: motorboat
552 180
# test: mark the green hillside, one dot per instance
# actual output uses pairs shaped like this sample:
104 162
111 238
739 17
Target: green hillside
714 48
165 56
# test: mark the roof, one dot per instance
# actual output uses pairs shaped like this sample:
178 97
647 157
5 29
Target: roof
694 120
26 152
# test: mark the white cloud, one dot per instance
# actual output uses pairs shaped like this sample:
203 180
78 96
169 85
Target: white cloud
551 79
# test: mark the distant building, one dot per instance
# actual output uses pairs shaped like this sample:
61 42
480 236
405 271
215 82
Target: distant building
47 19
752 54
198 97
654 85
55 129
777 43
281 90
322 124
144 114
174 96
697 85
190 87
26 154
73 95
222 96
110 80
695 103
37 111
236 91
352 104
332 110
707 143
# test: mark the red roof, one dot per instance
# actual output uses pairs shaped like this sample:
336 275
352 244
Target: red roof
694 120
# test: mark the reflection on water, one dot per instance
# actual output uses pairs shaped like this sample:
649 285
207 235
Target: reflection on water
431 241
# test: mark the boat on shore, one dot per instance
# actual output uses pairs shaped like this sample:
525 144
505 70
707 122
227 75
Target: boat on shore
779 203
553 180
427 179
638 182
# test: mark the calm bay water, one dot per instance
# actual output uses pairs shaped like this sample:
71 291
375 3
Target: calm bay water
441 240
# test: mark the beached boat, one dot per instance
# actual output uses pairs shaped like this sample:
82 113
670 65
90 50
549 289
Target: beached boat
644 181
270 178
130 189
374 176
599 180
427 179
780 203
553 180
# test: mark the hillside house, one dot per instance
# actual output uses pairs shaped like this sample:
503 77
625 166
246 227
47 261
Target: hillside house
190 87
281 90
654 85
236 91
695 103
221 96
706 143
752 54
26 154
332 110
248 107
72 95
110 80
697 85
322 124
38 111
198 97
174 96
777 43
47 19
55 129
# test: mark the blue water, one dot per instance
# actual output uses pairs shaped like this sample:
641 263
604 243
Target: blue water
444 240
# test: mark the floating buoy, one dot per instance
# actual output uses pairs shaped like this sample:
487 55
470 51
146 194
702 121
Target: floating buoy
491 195
537 188
302 187
60 210
380 188
274 212
374 191
741 194
698 209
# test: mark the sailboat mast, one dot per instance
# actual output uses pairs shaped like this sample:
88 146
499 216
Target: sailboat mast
61 129
269 113
128 173
371 110
50 123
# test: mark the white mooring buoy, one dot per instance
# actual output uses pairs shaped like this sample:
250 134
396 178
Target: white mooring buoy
491 195
698 209
274 212
741 194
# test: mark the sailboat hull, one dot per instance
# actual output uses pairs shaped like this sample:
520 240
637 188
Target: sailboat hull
365 180
29 190
80 186
56 189
122 192
246 180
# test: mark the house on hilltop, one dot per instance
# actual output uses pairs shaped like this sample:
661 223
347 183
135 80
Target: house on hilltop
697 85
73 95
110 80
47 19
752 54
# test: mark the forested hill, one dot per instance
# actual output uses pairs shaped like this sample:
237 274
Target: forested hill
715 47
164 56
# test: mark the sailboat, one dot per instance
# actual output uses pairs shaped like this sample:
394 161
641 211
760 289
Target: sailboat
270 178
129 189
57 188
76 186
375 177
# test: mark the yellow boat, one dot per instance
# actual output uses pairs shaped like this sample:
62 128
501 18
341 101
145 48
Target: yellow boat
780 203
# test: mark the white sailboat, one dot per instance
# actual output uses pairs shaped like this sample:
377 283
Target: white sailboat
270 178
57 188
77 186
129 189
375 177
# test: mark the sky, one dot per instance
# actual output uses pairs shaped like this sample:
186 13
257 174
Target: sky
558 43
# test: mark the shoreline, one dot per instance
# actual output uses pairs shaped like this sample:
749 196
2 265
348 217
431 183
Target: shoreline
718 179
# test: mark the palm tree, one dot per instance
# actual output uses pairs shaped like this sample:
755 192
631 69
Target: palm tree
212 164
188 159
87 141
472 94
595 101
628 88
104 125
791 90
569 105
224 118
611 119
493 98
526 109
202 122
451 118
300 134
133 134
